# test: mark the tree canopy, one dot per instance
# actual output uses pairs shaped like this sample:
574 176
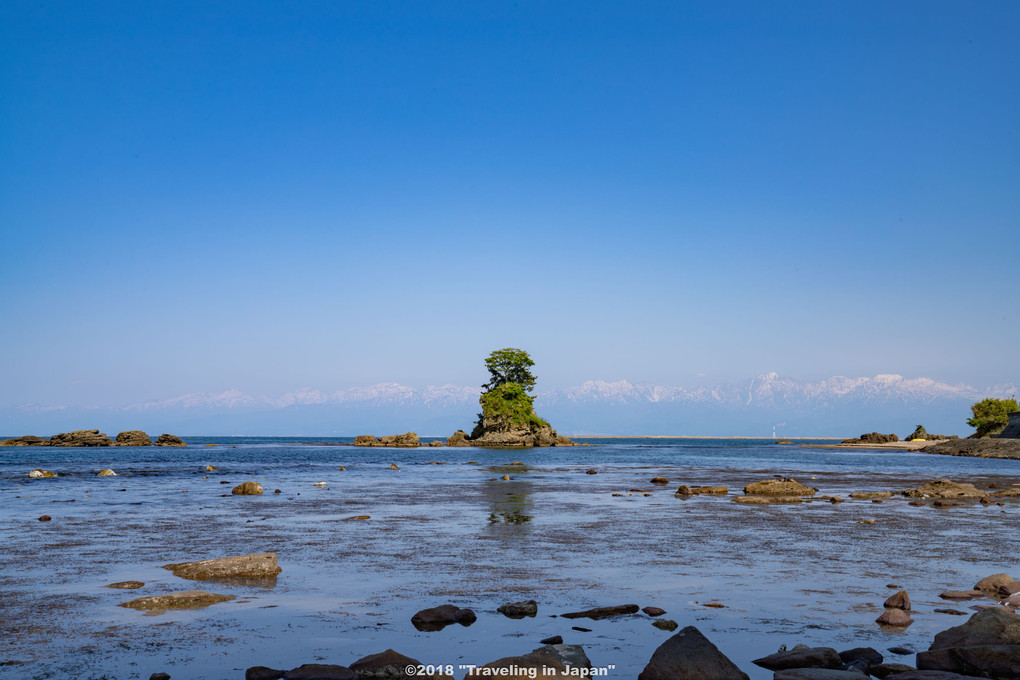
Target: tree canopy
509 365
990 415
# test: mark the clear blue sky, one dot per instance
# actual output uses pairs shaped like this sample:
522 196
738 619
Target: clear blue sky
274 195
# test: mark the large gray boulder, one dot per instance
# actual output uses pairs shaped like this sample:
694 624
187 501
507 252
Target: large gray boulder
689 655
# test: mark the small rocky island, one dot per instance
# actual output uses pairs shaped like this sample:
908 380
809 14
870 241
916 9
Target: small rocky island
508 418
95 438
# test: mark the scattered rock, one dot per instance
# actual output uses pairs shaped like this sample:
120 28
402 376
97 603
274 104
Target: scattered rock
393 466
41 474
952 612
319 484
818 674
126 585
247 489
666 624
882 670
159 676
992 584
45 518
865 521
902 651
653 611
801 657
778 487
133 438
944 488
356 517
550 661
869 654
169 440
591 472
107 473
943 503
320 671
256 566
506 477
689 655
518 610
961 594
900 600
602 612
768 500
713 605
190 599
554 640
579 628
987 645
263 673
437 618
388 665
659 480
863 495
786 442
212 468
896 618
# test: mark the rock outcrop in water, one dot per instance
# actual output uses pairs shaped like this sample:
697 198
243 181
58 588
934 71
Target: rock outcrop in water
872 438
408 440
94 438
977 448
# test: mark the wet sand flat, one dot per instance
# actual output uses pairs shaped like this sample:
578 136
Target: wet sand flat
459 533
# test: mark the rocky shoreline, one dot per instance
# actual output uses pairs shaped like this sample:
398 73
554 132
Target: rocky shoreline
95 438
494 439
977 448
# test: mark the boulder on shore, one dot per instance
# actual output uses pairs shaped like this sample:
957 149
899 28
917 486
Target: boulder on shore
41 474
992 584
458 438
169 440
900 600
689 655
518 610
132 438
256 566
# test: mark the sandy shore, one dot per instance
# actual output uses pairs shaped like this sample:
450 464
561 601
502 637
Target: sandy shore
907 446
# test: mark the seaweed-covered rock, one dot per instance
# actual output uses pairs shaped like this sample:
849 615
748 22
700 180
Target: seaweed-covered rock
256 566
945 488
247 489
408 440
190 599
778 487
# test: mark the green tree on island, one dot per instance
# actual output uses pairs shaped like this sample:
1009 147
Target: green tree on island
506 404
990 415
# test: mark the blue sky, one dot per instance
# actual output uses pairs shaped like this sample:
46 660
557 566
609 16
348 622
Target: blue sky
267 196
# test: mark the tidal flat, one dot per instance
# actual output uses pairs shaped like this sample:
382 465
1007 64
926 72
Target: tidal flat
447 528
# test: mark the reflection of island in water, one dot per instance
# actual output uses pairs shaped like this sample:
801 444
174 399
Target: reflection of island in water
509 500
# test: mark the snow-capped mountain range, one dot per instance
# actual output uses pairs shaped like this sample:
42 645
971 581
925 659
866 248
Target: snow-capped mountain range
836 406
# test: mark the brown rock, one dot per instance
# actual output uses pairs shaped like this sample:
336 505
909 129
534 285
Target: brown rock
961 594
190 599
518 610
992 584
653 611
778 487
126 585
768 500
872 495
132 438
256 566
437 618
660 480
169 440
389 665
320 671
27 440
247 489
896 618
900 600
458 438
882 670
689 655
944 488
666 624
45 518
80 438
